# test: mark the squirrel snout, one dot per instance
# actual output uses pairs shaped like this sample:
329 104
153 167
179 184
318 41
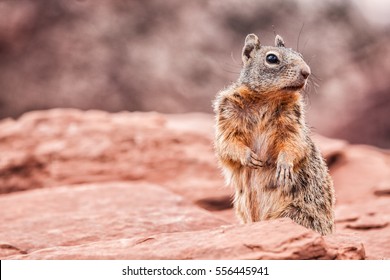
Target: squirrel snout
305 72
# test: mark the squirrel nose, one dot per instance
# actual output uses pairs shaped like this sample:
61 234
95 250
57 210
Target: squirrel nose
305 72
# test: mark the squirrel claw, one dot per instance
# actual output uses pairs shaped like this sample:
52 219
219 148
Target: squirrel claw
253 161
284 174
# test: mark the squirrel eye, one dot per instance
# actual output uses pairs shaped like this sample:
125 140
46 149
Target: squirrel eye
272 59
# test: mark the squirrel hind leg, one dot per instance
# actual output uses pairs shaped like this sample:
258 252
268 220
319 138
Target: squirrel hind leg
302 218
246 206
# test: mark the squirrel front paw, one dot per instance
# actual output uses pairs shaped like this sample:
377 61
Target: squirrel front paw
252 160
284 174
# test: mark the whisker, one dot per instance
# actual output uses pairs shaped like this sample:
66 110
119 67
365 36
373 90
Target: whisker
313 85
234 60
229 71
314 78
232 65
299 35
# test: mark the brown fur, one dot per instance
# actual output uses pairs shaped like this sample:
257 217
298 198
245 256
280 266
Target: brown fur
263 144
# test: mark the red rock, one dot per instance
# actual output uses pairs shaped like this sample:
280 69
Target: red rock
382 189
199 123
344 213
369 222
345 247
67 216
9 250
277 239
331 149
51 148
360 170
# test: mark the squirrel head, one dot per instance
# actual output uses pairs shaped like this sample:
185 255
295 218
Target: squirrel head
272 68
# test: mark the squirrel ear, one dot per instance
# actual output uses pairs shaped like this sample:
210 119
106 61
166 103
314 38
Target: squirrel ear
279 42
252 43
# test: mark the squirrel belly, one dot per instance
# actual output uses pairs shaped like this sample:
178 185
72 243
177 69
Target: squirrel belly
263 143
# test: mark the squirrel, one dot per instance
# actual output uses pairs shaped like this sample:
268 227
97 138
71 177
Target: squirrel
263 144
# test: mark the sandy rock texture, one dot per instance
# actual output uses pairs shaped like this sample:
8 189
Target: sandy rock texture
94 185
251 241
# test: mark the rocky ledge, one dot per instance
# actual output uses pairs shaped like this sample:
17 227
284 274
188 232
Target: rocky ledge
95 185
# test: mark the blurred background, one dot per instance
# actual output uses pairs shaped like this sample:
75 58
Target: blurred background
174 56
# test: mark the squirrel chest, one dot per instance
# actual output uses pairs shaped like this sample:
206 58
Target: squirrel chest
263 121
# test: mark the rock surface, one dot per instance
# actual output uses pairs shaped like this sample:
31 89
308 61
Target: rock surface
345 247
66 147
67 216
76 185
370 222
251 241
